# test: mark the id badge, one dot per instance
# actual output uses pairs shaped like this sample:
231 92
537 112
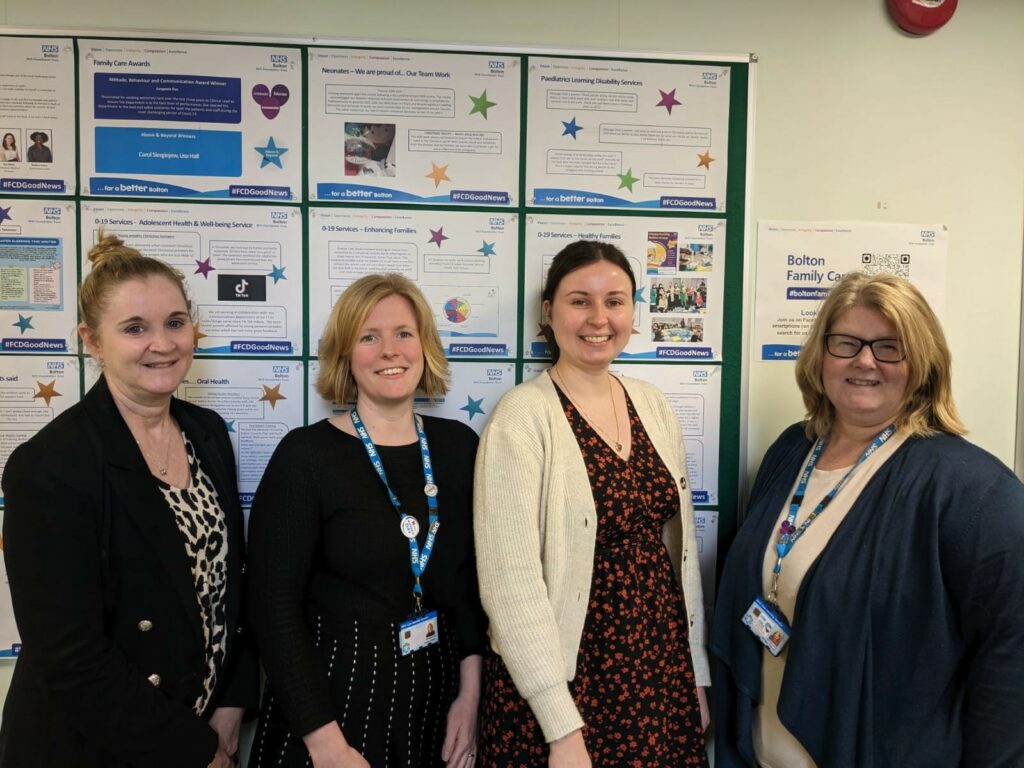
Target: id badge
418 632
767 625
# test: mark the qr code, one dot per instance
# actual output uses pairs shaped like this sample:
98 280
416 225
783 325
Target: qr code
893 263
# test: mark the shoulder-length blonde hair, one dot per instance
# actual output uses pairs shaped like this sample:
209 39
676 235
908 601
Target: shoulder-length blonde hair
335 381
928 400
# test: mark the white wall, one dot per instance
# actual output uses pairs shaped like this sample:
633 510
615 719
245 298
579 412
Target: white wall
850 113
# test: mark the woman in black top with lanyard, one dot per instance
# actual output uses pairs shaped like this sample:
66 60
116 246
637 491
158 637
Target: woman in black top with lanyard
363 578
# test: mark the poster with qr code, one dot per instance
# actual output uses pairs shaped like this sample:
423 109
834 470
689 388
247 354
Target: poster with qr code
798 262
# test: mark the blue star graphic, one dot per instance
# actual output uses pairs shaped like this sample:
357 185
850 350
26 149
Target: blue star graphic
5 213
571 128
24 323
229 424
277 273
487 249
638 297
472 407
271 154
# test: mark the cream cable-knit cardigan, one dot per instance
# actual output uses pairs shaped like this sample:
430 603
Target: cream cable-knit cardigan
535 524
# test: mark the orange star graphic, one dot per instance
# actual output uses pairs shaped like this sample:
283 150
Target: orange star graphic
47 391
272 395
196 336
438 173
706 160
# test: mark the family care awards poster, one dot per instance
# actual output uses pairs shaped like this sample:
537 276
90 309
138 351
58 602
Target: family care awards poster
190 120
627 134
475 388
465 263
679 266
798 262
37 116
38 298
410 127
242 266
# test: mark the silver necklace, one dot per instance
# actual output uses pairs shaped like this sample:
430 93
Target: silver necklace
161 469
617 442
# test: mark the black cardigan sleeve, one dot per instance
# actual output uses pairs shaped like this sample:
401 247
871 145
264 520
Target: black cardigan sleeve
53 558
284 533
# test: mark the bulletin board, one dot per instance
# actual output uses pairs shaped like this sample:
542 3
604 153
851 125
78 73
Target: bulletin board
275 172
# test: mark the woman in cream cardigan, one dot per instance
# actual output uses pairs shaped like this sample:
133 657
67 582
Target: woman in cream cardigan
597 656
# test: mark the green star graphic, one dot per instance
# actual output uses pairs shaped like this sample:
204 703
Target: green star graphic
627 180
481 104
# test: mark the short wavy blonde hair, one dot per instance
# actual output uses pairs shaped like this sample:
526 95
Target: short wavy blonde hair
335 381
928 405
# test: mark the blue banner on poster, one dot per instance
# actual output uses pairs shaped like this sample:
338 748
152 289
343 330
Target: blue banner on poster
32 185
171 98
168 152
780 351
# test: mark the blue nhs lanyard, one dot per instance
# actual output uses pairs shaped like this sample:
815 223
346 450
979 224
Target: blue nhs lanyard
407 523
789 534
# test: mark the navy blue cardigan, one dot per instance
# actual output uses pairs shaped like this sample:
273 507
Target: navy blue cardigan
908 639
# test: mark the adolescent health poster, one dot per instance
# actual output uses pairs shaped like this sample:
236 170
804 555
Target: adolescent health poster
242 267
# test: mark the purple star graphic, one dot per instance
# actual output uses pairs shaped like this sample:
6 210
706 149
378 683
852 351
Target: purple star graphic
204 268
5 213
668 100
438 236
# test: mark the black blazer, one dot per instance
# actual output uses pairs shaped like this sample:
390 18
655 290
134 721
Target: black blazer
113 656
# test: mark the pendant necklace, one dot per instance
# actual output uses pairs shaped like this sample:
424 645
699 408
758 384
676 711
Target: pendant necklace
161 469
617 441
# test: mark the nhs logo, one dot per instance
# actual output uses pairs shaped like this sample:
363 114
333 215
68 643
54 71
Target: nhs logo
497 221
495 65
280 369
50 211
927 234
51 48
709 78
700 375
279 216
54 365
705 229
278 58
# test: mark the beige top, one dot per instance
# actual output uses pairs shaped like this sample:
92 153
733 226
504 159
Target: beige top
774 745
535 525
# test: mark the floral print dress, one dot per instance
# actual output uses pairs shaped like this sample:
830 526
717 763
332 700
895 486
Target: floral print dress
634 684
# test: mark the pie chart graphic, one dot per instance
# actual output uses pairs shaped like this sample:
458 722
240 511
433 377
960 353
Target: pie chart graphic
456 310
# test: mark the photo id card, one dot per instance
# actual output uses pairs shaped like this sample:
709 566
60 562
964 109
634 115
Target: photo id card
418 632
767 626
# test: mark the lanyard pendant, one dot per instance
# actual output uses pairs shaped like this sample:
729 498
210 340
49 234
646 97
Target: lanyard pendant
410 526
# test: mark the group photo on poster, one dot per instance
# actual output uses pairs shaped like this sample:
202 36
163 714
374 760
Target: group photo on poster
413 127
38 307
465 263
37 116
242 266
627 134
190 120
679 266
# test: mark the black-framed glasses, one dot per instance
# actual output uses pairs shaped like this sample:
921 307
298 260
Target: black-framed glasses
846 346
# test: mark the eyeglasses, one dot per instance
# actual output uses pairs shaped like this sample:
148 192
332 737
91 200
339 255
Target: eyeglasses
884 350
